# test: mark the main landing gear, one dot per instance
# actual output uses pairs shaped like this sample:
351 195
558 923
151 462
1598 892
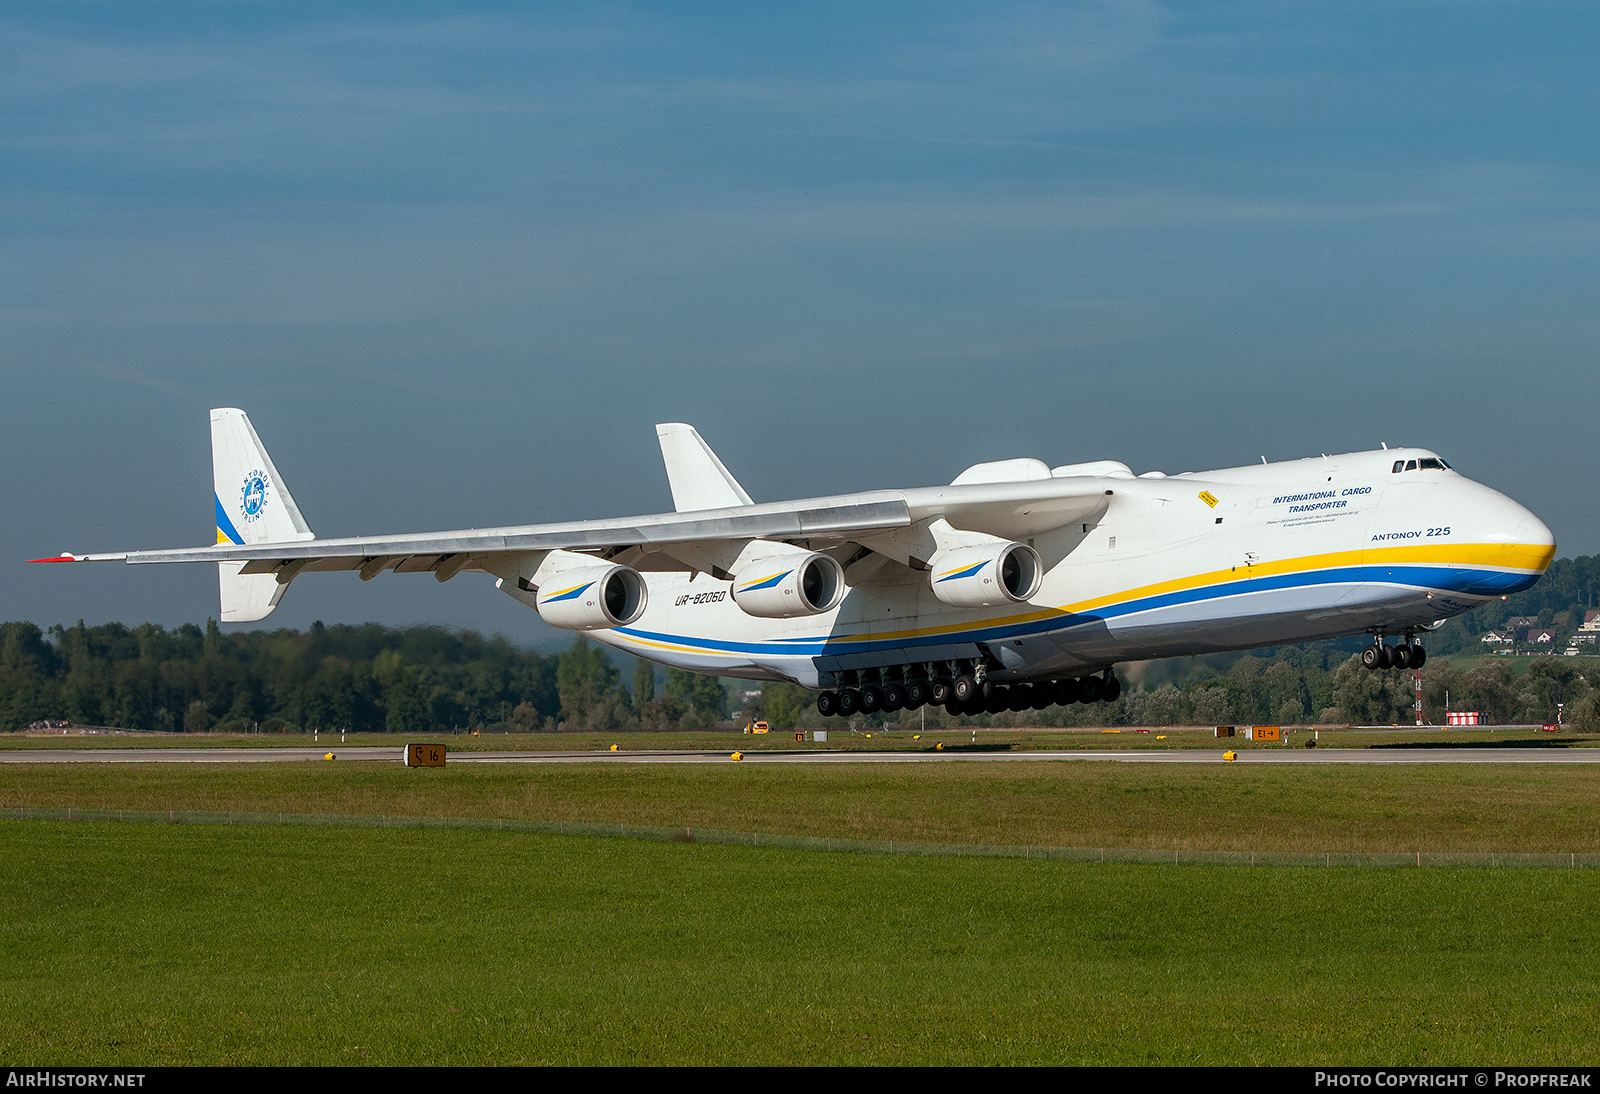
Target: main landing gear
1406 655
966 692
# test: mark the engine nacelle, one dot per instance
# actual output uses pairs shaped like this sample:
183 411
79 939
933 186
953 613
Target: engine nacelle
788 585
986 575
588 598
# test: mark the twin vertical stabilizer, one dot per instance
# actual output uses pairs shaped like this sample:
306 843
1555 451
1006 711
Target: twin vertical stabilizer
697 477
253 506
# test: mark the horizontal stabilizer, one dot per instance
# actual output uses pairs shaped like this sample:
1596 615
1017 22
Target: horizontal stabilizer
247 597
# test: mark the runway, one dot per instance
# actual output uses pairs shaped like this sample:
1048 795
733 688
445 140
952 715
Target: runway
1447 755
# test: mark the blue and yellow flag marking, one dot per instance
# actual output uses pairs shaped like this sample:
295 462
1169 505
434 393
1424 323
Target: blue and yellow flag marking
569 594
226 532
764 582
964 571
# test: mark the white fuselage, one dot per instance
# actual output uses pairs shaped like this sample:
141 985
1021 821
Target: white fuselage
1221 560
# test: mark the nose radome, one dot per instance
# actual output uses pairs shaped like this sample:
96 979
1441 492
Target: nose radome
1515 525
1535 533
1495 518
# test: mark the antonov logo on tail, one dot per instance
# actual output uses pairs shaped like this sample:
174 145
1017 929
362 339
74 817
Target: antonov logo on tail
879 601
254 494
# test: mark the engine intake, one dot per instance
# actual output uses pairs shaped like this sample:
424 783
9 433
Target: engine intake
789 585
591 597
986 575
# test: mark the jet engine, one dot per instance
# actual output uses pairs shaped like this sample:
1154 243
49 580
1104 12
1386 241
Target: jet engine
986 574
787 585
591 597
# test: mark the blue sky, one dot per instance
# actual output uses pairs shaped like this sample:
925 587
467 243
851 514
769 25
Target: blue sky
456 260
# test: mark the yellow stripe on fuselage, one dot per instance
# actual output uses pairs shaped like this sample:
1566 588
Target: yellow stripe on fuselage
637 641
1500 556
1504 556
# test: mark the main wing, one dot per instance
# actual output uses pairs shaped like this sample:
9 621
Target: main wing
905 526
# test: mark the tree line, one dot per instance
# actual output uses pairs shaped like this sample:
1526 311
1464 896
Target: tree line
1317 685
365 678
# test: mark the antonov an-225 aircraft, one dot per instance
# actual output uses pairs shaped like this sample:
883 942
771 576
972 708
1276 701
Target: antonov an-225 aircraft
1018 585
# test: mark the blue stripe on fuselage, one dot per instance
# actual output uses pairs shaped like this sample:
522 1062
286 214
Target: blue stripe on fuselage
1465 580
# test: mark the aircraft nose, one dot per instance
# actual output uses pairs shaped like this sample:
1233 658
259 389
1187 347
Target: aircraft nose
1502 520
1527 541
1504 544
1534 532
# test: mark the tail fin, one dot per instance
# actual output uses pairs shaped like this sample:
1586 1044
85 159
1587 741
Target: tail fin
253 506
697 477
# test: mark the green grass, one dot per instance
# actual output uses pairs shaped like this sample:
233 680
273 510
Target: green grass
1336 808
1467 660
147 944
138 944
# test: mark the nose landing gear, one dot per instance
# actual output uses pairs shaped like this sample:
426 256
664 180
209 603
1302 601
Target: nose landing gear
1405 655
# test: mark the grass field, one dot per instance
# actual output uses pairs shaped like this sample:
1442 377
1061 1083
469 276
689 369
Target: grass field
1467 660
149 944
1068 804
153 943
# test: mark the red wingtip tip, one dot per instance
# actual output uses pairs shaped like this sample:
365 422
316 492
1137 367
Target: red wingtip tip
56 558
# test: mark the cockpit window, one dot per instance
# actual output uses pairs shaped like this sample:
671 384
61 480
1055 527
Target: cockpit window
1431 463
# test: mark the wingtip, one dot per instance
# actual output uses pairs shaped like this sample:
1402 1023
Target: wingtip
62 557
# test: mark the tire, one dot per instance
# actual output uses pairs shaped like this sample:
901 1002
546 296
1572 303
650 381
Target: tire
1066 692
1400 657
976 705
963 688
1021 698
1372 657
827 704
939 691
999 699
871 699
1044 696
954 709
916 693
1090 689
1418 656
1112 690
849 702
894 697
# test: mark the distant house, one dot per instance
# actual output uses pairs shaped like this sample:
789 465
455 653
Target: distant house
1542 635
1498 638
1591 621
1521 622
